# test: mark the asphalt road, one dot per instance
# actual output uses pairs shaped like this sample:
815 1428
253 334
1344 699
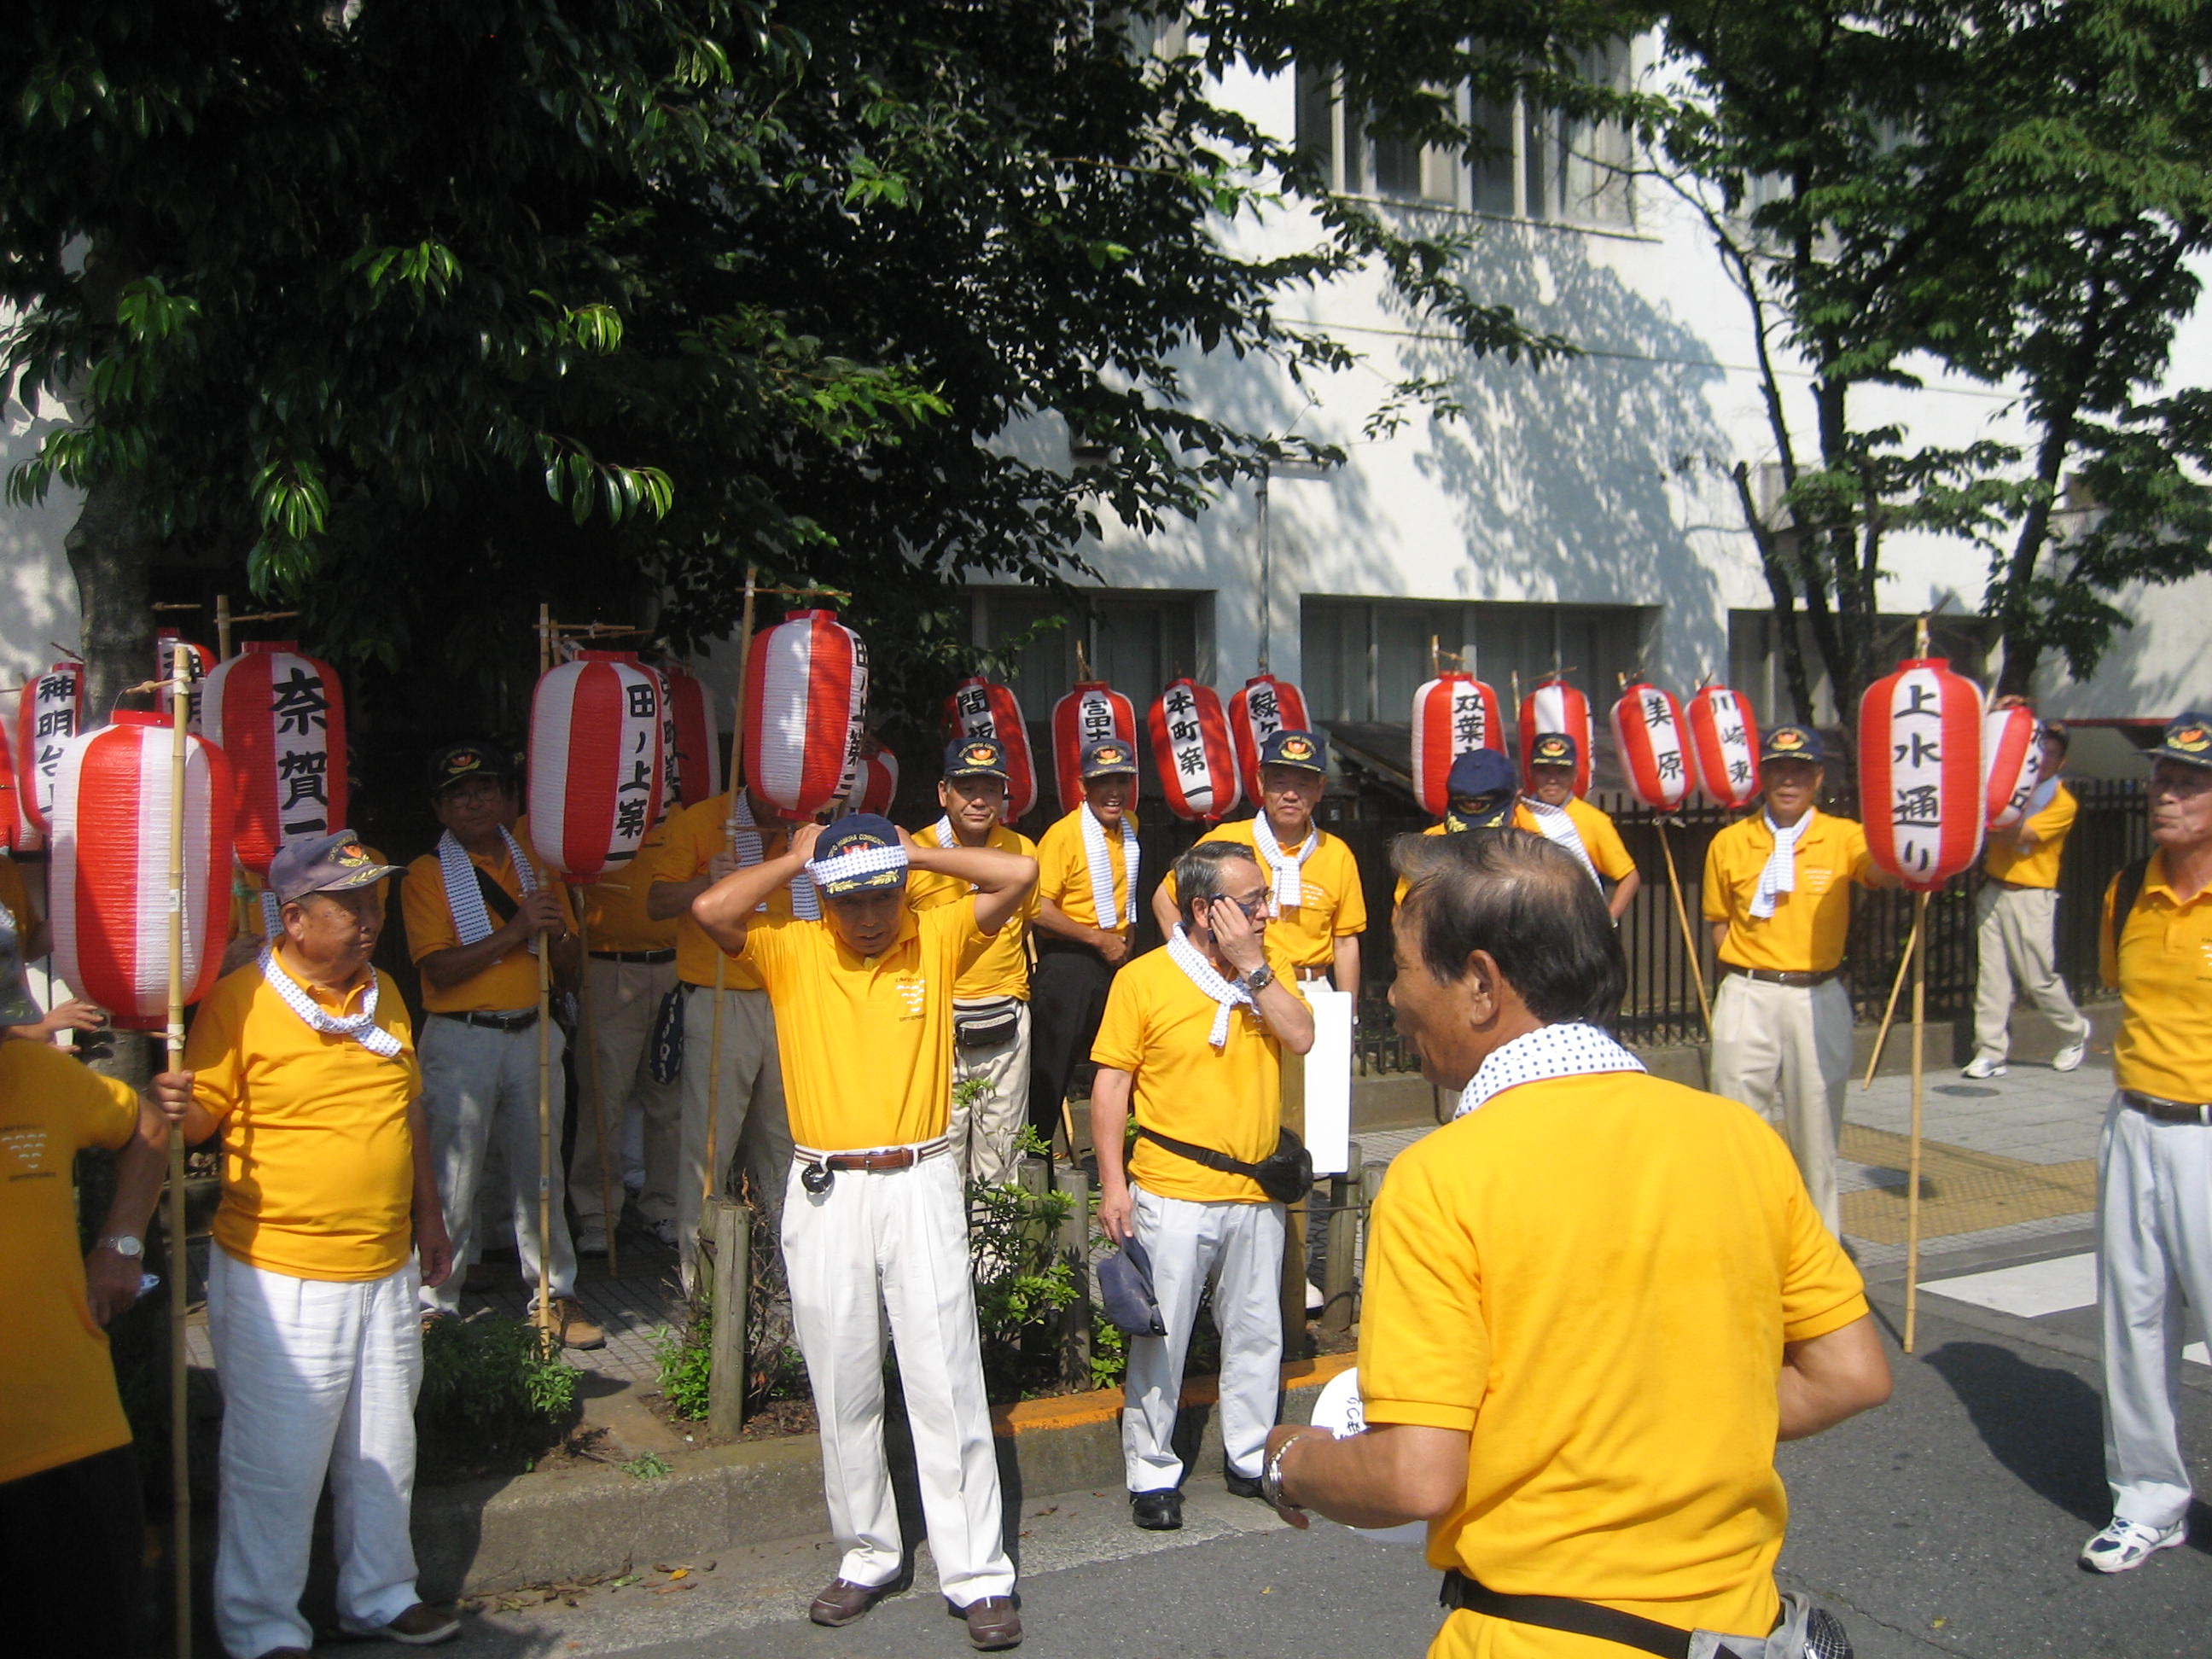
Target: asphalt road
1944 1523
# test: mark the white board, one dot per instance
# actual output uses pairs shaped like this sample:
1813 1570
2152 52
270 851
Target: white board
1328 1080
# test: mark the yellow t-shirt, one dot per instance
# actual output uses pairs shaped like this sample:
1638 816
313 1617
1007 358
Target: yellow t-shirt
58 1398
692 837
1157 1027
318 1160
1601 839
509 983
2164 971
1595 1275
1806 933
1003 970
1333 905
2038 868
17 897
614 905
866 1041
1064 873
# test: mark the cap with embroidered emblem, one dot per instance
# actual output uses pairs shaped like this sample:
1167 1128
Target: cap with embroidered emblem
1553 749
861 854
329 864
1791 743
2187 739
457 762
1108 759
1306 751
976 757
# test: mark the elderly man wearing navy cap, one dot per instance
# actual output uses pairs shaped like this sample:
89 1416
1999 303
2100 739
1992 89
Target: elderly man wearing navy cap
1550 808
1480 792
991 1003
875 1221
1778 898
329 1228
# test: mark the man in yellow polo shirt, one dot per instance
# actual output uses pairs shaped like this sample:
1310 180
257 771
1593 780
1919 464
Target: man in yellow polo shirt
1320 908
1088 867
477 910
1193 1039
1552 809
875 1221
330 1226
705 842
628 971
991 1003
2155 1165
1594 1302
71 1512
2016 912
1778 896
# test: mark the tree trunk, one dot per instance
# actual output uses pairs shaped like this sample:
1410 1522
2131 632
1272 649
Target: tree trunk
111 549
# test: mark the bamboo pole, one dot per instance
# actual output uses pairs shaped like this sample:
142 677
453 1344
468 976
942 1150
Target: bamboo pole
180 1472
710 1180
1913 1172
610 1216
1682 915
1889 1010
222 627
549 1331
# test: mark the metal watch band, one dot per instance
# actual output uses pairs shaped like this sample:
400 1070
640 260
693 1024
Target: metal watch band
122 1244
1259 979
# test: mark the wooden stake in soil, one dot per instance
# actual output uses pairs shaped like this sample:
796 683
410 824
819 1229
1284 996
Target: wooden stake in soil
710 1177
1912 1170
588 1027
180 1462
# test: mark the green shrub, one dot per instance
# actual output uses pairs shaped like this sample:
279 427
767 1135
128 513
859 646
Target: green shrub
492 1380
685 1361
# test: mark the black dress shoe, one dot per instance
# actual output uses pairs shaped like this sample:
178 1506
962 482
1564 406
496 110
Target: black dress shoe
1240 1486
1157 1511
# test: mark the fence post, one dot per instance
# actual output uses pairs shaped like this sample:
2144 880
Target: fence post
1074 1246
1370 1183
1341 1255
729 1229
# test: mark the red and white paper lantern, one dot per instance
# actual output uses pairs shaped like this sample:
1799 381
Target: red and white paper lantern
1920 772
806 691
1555 705
1264 706
980 708
11 825
109 880
2012 763
49 714
1452 714
1191 748
279 717
1093 712
875 781
595 761
1653 741
695 760
1724 739
199 662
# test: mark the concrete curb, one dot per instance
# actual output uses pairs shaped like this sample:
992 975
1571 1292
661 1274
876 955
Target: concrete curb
561 1525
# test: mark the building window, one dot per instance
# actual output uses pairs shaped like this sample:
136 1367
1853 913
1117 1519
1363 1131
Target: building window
1364 659
1756 669
1136 641
1540 164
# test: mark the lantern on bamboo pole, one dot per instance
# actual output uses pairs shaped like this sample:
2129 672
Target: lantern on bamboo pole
1191 750
1093 712
1652 738
982 708
1454 715
1725 741
1555 705
807 693
2011 764
1262 706
50 712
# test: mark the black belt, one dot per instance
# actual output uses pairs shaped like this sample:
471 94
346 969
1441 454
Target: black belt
648 956
1782 975
1463 1594
521 1022
2166 1111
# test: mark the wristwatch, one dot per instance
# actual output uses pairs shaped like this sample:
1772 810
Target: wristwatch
1271 1476
122 1244
1258 980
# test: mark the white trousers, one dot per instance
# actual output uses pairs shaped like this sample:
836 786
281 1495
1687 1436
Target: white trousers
479 1084
2154 1248
1238 1247
318 1379
749 1108
893 1247
2012 941
1785 1052
982 1133
625 999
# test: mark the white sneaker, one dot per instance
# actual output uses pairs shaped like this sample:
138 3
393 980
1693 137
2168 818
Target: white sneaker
2126 1545
2069 1058
1983 1067
590 1241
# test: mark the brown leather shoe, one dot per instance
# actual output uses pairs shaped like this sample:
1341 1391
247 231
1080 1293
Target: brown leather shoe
843 1601
992 1624
576 1331
419 1626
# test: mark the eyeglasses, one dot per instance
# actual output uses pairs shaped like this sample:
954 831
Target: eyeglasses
1256 908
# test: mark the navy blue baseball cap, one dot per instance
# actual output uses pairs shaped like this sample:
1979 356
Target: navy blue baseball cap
1124 1290
861 854
1553 749
457 762
1792 742
329 864
976 757
2187 739
1110 758
1304 749
1478 773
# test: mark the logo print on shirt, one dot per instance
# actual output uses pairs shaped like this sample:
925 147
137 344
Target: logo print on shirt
913 993
23 1150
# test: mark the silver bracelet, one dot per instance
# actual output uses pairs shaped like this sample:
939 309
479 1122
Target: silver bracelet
1271 1475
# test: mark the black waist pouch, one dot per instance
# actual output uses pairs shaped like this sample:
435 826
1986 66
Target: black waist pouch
1285 1174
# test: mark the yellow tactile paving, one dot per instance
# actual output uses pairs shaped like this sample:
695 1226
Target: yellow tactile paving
1960 1191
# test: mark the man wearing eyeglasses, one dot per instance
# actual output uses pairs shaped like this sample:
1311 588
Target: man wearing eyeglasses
1193 1037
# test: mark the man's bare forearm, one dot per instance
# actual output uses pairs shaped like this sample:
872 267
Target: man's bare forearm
724 908
141 1167
1393 1474
666 900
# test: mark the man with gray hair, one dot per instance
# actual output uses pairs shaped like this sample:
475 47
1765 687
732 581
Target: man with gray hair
1194 1035
1595 1302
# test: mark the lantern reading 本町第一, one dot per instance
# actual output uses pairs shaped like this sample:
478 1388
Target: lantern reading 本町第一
1191 748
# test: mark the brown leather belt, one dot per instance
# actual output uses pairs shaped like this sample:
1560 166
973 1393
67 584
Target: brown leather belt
896 1157
1781 975
1307 975
2166 1111
650 957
